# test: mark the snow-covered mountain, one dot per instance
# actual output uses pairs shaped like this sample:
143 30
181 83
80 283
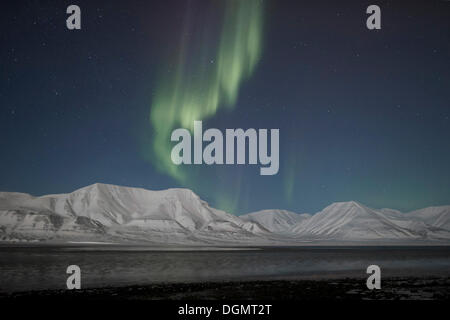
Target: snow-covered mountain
354 221
111 213
279 221
438 217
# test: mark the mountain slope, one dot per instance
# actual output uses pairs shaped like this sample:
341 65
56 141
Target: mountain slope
121 211
438 217
101 212
280 221
354 221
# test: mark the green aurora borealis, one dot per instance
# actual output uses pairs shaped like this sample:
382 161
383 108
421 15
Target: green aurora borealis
203 82
362 114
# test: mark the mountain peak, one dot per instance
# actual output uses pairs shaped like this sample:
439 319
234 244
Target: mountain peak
344 205
178 215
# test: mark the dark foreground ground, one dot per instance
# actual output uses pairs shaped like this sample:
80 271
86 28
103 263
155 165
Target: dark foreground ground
342 289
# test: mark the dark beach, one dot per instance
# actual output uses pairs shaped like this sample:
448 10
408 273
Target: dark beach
406 288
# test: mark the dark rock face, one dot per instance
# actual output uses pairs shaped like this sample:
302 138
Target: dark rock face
86 223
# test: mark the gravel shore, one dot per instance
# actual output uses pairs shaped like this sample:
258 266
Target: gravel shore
342 289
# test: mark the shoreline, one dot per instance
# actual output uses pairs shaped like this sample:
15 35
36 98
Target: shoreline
243 246
398 288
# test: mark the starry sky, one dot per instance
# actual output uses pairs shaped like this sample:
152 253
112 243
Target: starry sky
363 114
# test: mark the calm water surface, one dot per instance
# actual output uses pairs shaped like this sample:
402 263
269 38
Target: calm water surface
34 268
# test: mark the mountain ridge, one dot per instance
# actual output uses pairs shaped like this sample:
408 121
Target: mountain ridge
179 216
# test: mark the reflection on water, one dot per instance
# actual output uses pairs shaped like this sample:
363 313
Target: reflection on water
44 268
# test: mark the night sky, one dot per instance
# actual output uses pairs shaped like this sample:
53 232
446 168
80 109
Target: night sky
363 114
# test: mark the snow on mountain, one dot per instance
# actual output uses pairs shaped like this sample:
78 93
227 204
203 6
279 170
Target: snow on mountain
111 213
119 212
354 221
438 217
280 221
